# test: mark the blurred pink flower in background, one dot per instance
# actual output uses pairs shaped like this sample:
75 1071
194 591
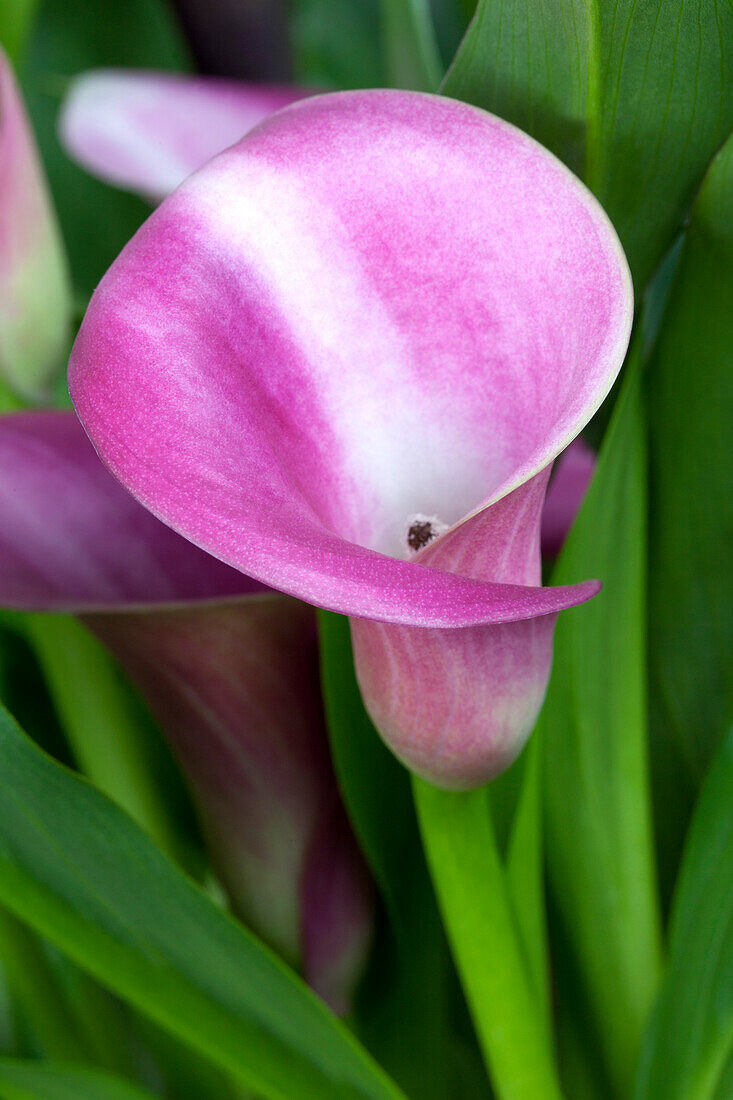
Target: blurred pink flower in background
229 668
35 296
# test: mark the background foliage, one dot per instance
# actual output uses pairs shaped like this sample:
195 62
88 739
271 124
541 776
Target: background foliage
115 961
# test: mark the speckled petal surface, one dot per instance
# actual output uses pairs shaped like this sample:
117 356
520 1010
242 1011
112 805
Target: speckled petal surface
146 131
378 305
72 539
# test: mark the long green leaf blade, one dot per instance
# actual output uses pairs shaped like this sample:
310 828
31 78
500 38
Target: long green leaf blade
691 1037
663 109
43 1081
690 408
111 734
16 18
635 96
337 44
528 63
73 866
411 51
526 875
594 730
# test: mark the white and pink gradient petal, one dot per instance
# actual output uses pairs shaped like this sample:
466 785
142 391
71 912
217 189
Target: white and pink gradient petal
146 131
35 291
377 305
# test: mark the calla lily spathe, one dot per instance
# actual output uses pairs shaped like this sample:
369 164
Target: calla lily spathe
229 668
146 132
35 298
341 358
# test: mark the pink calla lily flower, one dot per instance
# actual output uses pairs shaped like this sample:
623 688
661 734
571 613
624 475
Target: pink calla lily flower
146 132
569 483
230 669
35 296
342 358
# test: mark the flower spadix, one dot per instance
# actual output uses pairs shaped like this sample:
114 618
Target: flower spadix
341 358
229 668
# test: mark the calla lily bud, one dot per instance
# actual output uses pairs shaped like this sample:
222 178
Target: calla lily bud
342 358
236 689
35 299
229 668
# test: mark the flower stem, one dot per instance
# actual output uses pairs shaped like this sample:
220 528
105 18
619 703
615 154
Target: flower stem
473 892
105 723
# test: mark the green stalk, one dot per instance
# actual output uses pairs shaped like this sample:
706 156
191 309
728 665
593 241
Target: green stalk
474 897
106 724
526 878
411 52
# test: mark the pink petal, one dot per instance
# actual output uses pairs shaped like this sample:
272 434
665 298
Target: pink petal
235 687
35 300
457 706
72 539
377 305
146 132
568 485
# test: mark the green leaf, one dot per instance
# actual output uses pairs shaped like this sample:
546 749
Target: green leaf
35 990
111 733
96 220
411 51
451 19
690 1040
634 95
16 19
594 731
403 1007
337 44
528 63
76 868
690 409
662 107
526 876
43 1081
